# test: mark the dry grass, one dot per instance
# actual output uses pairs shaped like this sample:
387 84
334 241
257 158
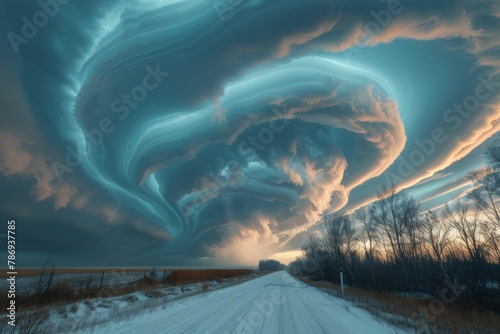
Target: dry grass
419 315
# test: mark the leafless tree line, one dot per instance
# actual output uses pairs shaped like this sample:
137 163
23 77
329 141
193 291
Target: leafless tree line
395 245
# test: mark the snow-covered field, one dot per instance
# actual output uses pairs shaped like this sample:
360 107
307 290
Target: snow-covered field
116 278
275 303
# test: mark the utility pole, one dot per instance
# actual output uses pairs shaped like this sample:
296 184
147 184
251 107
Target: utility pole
341 282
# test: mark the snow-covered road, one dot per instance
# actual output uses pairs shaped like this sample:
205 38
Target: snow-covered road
275 303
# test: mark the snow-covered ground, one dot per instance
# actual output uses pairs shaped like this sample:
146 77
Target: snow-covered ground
86 313
275 303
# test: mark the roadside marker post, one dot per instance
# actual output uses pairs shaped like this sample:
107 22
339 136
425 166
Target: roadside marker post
341 282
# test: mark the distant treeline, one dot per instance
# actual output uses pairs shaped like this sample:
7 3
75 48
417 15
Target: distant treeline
394 246
271 265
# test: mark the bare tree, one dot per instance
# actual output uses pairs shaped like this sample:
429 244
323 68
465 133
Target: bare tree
492 241
493 152
339 237
312 249
409 213
436 233
485 195
387 214
465 221
368 235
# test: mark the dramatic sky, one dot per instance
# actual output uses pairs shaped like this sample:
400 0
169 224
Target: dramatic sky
217 132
